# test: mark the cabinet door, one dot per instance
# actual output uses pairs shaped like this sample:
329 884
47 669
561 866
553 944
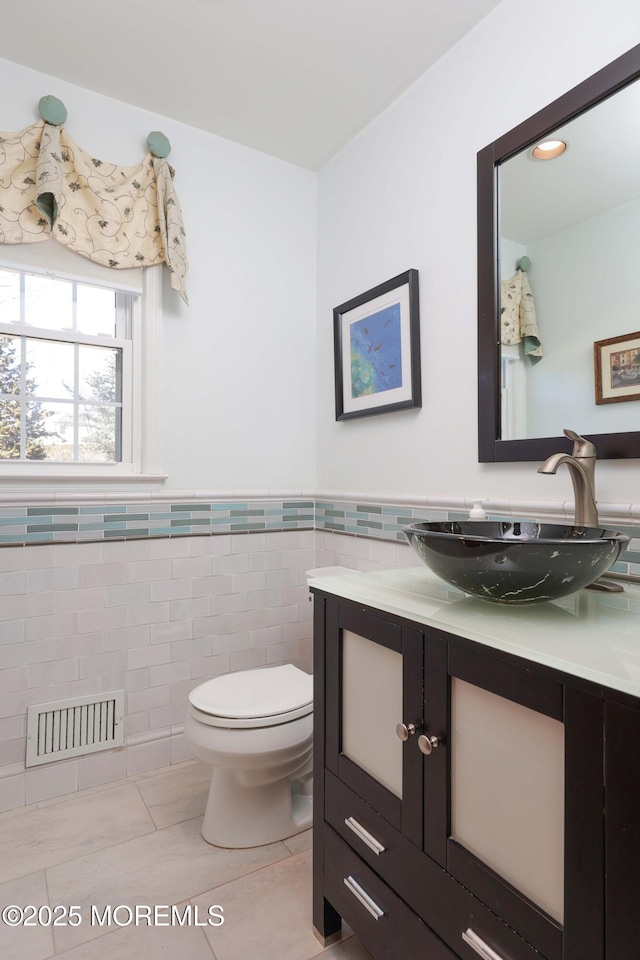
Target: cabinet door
373 684
502 811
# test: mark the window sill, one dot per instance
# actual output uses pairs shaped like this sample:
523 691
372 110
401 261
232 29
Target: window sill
20 483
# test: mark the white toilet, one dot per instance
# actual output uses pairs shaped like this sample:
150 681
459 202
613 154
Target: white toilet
255 727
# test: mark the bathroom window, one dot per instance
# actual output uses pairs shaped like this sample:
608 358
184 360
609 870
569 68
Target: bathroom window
74 358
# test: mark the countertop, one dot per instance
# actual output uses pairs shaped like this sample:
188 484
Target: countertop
590 634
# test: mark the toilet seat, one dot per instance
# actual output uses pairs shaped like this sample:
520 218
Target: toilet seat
254 698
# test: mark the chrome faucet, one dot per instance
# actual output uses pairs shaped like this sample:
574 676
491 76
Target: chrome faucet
582 465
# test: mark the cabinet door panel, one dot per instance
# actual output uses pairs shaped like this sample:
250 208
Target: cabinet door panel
374 682
507 791
371 707
502 813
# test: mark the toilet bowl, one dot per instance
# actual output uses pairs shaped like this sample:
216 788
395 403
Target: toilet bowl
255 727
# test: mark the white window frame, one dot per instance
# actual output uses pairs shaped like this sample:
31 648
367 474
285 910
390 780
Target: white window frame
141 429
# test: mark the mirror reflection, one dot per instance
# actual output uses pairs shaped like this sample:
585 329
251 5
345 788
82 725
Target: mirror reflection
575 220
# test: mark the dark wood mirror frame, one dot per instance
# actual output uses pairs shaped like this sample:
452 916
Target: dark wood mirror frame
490 447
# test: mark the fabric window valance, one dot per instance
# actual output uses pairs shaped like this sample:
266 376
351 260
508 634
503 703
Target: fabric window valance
518 322
120 217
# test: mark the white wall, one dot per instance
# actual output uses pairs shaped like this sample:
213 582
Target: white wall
587 282
238 364
403 194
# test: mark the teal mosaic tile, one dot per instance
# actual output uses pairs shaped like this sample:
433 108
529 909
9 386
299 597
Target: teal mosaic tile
45 511
194 522
118 533
26 538
53 527
127 517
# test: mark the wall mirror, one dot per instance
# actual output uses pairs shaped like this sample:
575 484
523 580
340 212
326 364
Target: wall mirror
575 220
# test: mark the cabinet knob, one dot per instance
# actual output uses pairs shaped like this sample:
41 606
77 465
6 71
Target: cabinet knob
405 730
427 744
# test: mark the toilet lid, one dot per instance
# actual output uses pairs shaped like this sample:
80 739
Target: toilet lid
252 694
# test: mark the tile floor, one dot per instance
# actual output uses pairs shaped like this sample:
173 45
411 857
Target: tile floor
137 842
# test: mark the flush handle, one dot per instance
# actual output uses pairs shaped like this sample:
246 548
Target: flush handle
478 944
364 835
370 905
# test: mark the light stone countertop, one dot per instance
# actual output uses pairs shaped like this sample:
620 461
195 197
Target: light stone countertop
589 634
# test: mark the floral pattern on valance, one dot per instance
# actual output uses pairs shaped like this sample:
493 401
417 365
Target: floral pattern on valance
119 217
518 321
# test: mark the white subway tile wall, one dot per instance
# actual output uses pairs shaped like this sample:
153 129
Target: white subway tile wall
154 617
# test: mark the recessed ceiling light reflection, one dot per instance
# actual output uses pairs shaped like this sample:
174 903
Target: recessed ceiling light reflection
548 149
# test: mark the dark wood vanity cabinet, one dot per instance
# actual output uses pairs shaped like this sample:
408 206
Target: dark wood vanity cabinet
482 832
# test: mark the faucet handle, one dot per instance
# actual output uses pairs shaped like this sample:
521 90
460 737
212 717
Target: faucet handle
581 447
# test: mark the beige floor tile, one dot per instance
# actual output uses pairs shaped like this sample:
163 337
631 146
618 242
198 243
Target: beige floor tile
132 942
301 841
178 795
166 867
25 943
267 915
61 832
350 949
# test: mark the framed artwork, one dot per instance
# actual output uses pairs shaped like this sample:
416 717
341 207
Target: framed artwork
617 368
377 349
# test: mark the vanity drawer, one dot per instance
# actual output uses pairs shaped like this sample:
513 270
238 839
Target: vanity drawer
380 919
435 896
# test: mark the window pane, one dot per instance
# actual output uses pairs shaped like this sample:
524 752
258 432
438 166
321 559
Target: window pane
9 364
9 430
9 296
49 368
48 303
98 371
98 433
49 430
96 311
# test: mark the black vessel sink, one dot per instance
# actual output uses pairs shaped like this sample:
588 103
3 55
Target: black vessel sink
516 562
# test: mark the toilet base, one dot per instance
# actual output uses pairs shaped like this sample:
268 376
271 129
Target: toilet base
240 816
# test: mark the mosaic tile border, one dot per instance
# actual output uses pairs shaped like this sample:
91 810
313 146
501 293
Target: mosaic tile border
20 526
79 524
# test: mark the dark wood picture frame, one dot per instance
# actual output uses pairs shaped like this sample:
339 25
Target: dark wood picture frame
610 385
383 375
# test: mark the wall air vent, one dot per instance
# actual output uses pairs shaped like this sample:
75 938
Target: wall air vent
71 728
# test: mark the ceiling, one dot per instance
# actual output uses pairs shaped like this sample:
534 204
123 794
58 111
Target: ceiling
293 78
598 172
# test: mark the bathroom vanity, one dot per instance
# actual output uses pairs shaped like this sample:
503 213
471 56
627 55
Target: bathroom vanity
476 771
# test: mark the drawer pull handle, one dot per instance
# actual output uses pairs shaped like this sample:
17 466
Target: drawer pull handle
481 948
364 835
354 887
